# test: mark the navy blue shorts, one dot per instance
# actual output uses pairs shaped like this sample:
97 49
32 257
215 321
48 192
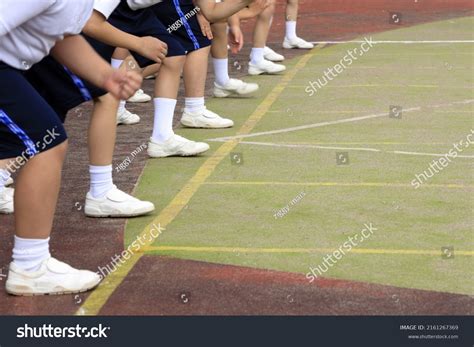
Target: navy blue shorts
61 89
180 18
28 125
144 23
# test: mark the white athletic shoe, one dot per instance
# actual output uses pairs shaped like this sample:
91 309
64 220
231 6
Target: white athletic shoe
6 201
234 87
271 55
53 278
176 146
116 204
205 119
139 96
297 43
9 182
265 66
126 117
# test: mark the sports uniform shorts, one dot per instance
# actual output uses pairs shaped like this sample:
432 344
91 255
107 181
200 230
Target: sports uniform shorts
28 125
180 19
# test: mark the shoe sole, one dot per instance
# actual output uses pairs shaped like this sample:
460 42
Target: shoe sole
164 155
296 47
128 123
64 292
124 215
138 101
192 125
261 72
225 94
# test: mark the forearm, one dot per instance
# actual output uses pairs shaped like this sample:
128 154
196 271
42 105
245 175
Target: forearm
223 10
76 54
234 20
98 28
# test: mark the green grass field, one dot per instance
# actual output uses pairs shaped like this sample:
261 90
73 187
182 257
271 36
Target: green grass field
230 218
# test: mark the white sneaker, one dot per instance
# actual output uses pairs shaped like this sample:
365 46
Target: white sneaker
234 87
126 117
176 146
297 43
205 119
139 96
271 55
54 277
6 201
116 204
265 66
9 182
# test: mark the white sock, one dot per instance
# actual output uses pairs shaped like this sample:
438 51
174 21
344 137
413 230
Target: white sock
256 55
28 254
4 176
116 63
221 70
163 121
101 180
194 105
291 29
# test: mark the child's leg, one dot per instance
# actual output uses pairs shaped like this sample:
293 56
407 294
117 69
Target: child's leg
104 199
262 29
39 146
258 64
124 116
36 193
219 52
291 39
164 142
195 113
225 86
291 18
195 73
102 131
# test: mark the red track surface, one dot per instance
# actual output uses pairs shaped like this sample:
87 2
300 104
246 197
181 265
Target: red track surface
156 284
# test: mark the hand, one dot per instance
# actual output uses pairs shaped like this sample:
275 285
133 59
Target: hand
205 26
152 48
122 84
236 39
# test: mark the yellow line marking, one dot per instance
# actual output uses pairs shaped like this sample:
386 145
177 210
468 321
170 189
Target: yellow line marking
364 143
430 86
286 110
99 297
335 184
298 250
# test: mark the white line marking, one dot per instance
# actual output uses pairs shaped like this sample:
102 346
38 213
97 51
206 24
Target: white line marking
406 42
340 121
271 144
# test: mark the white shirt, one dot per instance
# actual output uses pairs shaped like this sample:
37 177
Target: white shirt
29 29
106 7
